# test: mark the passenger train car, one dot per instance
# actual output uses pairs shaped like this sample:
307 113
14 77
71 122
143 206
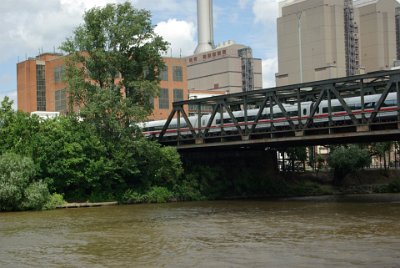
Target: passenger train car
278 120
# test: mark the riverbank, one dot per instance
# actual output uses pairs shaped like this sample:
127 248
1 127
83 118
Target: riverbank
87 204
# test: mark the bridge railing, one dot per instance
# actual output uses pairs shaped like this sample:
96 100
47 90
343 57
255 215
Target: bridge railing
350 104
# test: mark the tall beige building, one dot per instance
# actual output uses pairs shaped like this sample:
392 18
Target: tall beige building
323 39
229 67
377 33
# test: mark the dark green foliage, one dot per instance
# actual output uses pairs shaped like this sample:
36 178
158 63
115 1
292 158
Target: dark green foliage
393 187
345 160
159 166
70 157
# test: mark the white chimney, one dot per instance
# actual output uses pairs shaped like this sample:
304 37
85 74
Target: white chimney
205 32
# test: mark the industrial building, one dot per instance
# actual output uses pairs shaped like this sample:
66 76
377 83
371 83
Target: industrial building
322 39
227 67
40 85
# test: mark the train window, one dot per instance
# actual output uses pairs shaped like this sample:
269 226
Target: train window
325 110
227 120
240 119
337 109
389 103
251 118
218 121
369 105
204 122
304 111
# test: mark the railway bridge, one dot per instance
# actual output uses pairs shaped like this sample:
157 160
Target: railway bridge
355 109
242 132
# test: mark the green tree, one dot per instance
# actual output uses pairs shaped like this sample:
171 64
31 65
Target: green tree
345 160
112 73
115 49
70 157
16 129
381 149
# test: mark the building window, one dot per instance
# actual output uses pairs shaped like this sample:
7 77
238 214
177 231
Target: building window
219 53
58 74
204 56
61 100
40 88
195 59
216 86
164 99
178 94
190 59
223 52
164 73
178 73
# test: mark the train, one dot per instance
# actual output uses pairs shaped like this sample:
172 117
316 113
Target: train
388 110
45 114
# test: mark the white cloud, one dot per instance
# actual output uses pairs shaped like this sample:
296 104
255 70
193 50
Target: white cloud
265 11
27 26
180 35
269 68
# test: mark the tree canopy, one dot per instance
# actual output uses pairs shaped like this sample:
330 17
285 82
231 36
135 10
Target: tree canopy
115 49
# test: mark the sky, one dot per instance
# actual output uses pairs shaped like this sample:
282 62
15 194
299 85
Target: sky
29 27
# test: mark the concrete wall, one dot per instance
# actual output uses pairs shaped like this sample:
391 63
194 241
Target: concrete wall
378 34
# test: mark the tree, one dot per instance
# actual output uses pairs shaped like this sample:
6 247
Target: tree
71 158
381 149
296 154
345 160
112 71
16 129
116 50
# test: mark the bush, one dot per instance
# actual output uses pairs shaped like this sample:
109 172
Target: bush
188 190
55 200
345 160
158 195
393 187
132 197
36 196
15 175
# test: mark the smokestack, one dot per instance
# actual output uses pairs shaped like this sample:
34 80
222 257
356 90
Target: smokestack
205 30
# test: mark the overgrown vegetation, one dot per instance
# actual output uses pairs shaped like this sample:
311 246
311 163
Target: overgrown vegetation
99 154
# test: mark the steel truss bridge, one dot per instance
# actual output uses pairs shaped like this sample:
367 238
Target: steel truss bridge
364 125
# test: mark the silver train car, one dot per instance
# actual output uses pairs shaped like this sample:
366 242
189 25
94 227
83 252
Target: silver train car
277 119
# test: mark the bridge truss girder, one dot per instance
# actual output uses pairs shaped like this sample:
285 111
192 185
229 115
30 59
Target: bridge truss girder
224 106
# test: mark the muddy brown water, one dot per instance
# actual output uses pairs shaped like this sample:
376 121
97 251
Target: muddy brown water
357 231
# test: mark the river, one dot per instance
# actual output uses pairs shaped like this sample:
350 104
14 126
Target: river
361 231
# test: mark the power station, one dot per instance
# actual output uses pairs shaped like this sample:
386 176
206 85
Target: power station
227 67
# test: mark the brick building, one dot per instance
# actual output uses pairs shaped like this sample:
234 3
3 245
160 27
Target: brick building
40 86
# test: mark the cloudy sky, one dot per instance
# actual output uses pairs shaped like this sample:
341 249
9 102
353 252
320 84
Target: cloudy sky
28 27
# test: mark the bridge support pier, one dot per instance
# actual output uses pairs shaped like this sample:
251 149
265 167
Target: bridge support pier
299 133
234 162
362 128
